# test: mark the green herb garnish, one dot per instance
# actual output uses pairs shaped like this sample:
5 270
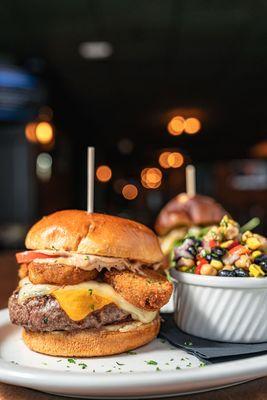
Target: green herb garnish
71 361
158 369
131 352
83 365
92 306
119 363
45 320
90 291
188 343
151 362
178 367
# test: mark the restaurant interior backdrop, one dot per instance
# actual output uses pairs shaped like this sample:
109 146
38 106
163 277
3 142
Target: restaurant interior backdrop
136 79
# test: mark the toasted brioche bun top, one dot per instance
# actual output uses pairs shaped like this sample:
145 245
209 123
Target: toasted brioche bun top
183 210
96 234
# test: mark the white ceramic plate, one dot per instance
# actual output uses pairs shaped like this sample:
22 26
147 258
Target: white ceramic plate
157 369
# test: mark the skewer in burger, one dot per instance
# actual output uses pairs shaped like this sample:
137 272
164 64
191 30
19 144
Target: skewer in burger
186 216
89 285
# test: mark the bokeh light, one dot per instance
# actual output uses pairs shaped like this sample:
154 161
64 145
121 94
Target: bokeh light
151 178
176 126
130 191
44 132
44 167
103 173
175 160
192 126
163 159
30 132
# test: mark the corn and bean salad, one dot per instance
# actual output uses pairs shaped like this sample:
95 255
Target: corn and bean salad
224 250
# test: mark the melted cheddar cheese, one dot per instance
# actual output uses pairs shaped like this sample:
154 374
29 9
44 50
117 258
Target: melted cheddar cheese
80 300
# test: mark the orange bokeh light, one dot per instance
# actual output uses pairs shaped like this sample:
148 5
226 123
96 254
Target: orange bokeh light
176 125
44 132
103 173
163 159
151 178
175 160
130 192
192 125
30 132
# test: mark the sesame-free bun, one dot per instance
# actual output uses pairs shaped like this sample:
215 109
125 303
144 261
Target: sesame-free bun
187 211
92 342
96 234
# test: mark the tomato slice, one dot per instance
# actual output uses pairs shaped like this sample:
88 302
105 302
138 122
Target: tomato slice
28 256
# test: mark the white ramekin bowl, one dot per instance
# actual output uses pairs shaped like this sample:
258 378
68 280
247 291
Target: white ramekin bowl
223 309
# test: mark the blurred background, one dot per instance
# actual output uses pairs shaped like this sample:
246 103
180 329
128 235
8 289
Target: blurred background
153 85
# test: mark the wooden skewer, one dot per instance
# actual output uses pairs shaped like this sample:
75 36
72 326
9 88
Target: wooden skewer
90 178
191 180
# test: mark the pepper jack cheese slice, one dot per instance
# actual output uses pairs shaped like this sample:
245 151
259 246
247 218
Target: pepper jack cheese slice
80 300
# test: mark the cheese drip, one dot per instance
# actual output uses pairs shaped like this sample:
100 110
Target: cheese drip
80 300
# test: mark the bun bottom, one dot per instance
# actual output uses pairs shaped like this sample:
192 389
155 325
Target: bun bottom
92 342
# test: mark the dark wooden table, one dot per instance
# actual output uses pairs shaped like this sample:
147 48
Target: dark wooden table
255 390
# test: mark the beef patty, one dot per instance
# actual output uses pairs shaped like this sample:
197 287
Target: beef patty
44 314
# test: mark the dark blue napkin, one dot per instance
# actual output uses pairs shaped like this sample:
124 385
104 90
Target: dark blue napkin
206 349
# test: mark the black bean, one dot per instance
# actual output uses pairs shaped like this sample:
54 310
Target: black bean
208 257
262 258
218 251
241 273
192 250
226 273
263 265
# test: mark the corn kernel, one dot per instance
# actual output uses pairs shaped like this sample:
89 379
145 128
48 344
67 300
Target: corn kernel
184 268
216 264
256 271
253 243
226 244
256 254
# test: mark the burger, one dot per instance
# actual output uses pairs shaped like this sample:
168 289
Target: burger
186 216
89 285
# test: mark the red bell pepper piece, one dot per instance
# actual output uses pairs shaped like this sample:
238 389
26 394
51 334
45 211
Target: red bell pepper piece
234 244
239 249
212 243
198 268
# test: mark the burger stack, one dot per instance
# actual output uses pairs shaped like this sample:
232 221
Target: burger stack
89 285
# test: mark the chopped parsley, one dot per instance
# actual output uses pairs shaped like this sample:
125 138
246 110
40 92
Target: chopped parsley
45 320
83 365
119 363
92 306
178 367
90 291
151 362
188 343
87 258
71 361
202 364
53 248
110 370
189 364
158 369
162 340
131 352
